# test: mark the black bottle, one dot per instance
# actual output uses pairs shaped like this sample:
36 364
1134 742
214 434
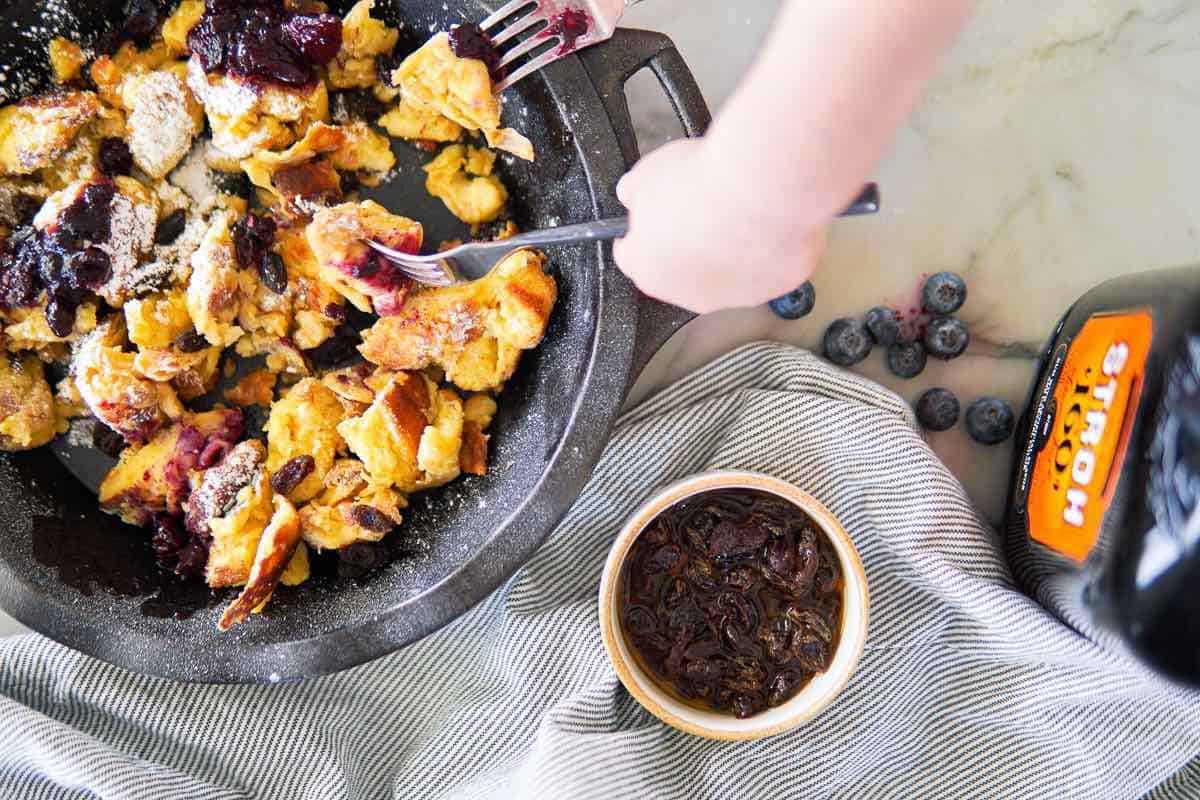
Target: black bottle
1103 522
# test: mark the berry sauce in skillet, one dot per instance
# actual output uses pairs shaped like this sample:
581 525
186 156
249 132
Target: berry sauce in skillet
469 41
570 24
260 39
63 261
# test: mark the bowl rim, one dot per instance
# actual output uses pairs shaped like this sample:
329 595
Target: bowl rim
813 698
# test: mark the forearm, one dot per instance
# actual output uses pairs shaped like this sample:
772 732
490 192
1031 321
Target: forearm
825 98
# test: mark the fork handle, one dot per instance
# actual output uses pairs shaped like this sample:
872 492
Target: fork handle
867 202
601 230
596 231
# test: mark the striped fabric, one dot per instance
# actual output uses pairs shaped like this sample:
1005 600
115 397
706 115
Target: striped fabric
966 689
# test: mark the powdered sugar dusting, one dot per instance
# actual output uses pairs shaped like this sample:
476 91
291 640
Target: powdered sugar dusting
160 127
82 432
170 263
462 324
132 234
222 483
390 175
222 95
195 178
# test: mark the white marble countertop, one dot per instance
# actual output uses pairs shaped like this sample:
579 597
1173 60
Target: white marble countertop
1056 148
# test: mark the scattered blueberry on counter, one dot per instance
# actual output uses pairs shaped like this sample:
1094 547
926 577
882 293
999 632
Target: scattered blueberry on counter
906 359
847 342
943 293
884 325
937 409
946 337
990 420
909 342
796 303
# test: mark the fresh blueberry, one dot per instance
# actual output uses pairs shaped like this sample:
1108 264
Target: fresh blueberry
944 293
946 337
884 325
937 409
847 342
906 359
796 303
990 420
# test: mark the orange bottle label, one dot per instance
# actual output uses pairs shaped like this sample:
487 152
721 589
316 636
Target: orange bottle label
1096 400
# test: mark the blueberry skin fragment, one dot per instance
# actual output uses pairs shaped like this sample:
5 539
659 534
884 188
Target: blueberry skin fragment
796 303
884 325
990 420
937 409
946 337
944 293
906 359
847 342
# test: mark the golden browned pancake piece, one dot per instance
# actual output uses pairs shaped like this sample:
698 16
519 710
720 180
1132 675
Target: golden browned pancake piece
475 332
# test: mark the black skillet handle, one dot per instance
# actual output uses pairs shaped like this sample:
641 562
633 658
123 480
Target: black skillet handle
609 66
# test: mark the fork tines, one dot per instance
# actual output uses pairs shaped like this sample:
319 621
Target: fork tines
428 271
507 10
534 22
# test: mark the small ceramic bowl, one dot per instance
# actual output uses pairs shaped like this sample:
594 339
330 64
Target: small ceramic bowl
810 700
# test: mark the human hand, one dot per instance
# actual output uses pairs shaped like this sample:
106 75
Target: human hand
706 238
739 217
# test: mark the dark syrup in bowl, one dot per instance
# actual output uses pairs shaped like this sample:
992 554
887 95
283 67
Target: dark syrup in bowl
732 600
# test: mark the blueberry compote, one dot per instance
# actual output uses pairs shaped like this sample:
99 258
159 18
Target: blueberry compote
64 261
260 39
469 41
571 24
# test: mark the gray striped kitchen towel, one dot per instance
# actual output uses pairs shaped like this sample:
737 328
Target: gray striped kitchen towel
966 689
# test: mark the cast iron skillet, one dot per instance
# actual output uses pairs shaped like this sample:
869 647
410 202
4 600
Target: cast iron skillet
68 571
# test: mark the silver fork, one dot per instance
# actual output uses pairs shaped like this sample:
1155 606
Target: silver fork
474 260
599 16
